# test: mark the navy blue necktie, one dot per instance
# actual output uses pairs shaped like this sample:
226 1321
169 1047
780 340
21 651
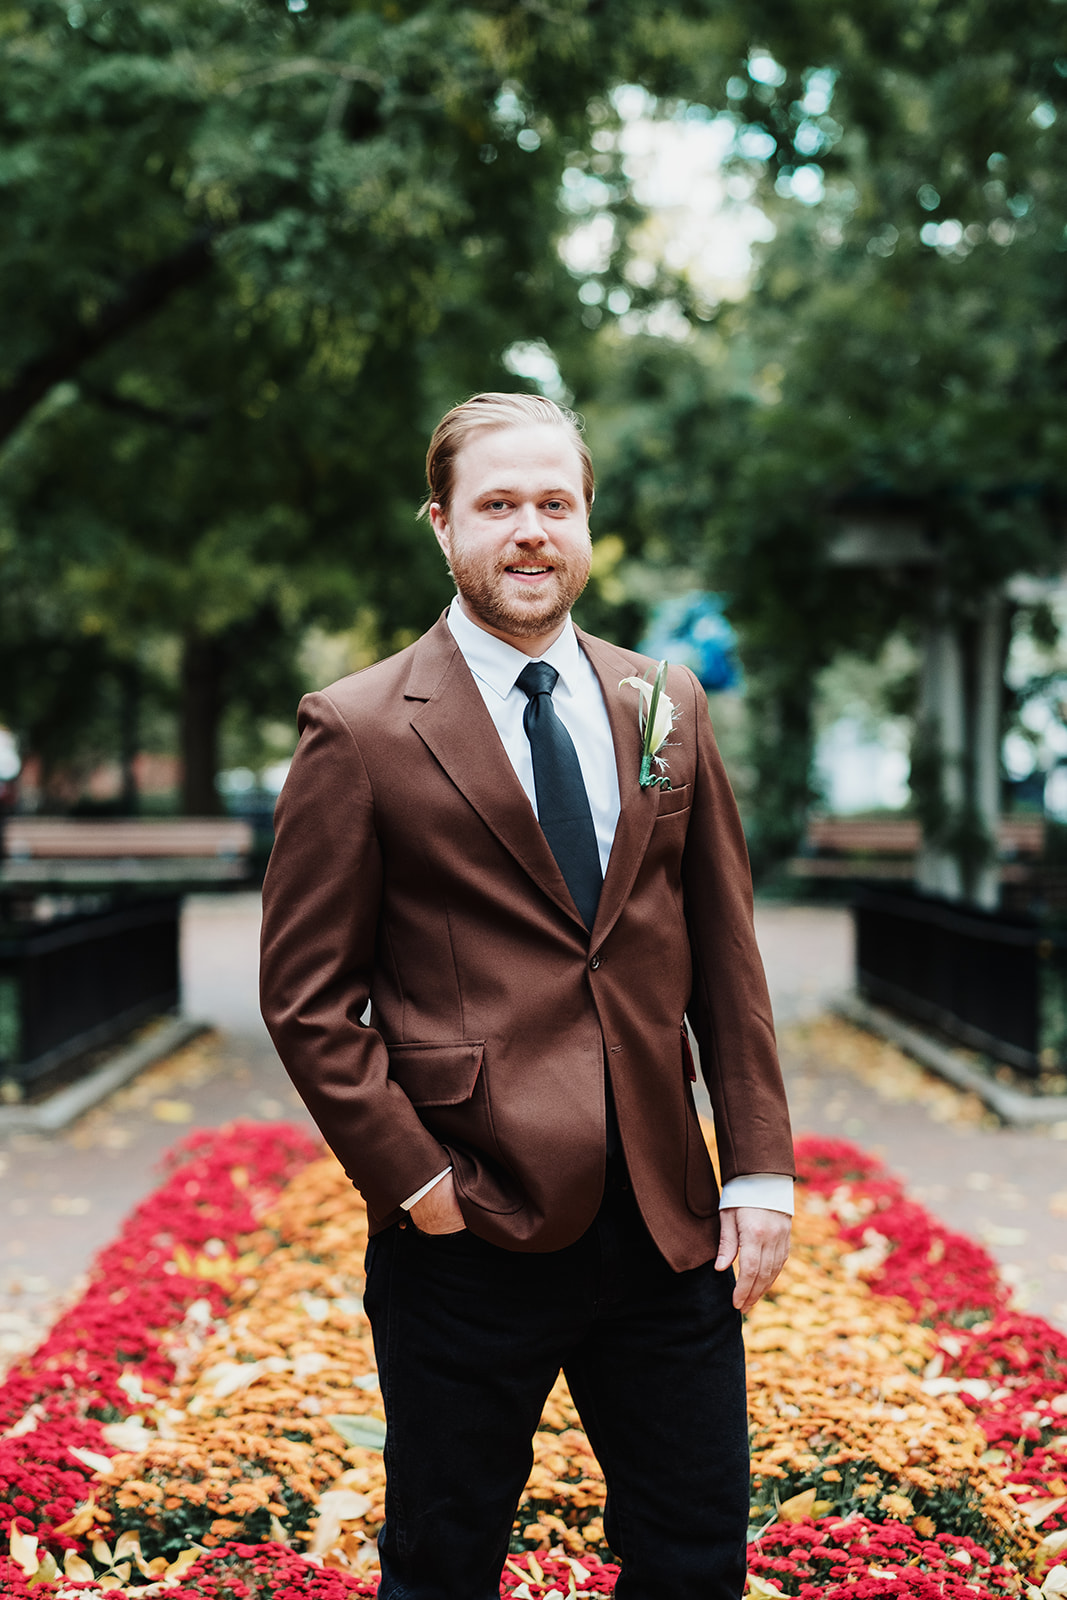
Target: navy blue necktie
562 803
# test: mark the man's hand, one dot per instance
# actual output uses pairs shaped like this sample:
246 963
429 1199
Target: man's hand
438 1211
759 1240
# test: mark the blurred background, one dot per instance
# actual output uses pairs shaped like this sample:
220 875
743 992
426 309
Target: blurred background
801 268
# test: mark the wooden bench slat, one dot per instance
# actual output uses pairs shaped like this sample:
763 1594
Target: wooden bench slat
902 836
106 838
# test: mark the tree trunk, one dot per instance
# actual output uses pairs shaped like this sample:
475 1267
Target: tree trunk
202 667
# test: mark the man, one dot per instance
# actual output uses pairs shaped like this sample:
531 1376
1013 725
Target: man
464 841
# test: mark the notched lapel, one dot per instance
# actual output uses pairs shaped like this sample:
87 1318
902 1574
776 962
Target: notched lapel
638 807
451 718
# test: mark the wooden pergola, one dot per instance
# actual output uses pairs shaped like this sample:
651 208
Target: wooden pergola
960 695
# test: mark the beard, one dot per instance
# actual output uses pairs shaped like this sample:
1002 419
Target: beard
503 605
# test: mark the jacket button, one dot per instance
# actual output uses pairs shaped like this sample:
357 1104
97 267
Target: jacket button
595 963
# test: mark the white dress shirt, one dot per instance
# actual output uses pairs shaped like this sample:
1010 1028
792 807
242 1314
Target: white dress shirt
579 705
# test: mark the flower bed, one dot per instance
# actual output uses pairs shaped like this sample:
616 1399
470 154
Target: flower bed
206 1421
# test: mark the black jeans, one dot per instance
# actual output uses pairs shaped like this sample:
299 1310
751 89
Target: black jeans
469 1339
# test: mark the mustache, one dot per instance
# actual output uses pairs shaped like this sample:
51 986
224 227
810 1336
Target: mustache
541 555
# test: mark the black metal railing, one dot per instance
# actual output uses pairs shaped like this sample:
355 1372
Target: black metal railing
72 984
995 983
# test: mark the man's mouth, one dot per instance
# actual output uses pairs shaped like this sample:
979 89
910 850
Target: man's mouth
528 572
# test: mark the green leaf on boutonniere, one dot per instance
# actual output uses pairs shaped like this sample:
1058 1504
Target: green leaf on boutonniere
655 719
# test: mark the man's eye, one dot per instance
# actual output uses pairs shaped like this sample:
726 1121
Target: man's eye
555 505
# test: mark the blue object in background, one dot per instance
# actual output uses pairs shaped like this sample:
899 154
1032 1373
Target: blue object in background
693 629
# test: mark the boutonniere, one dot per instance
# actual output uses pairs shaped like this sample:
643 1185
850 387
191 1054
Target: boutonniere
655 718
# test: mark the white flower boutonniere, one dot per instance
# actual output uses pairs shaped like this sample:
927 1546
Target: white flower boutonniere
655 715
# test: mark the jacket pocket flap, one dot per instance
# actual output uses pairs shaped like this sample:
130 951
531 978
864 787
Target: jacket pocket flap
437 1074
672 800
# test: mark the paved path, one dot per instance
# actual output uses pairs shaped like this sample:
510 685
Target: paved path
64 1197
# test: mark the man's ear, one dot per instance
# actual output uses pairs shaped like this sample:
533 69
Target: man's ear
442 531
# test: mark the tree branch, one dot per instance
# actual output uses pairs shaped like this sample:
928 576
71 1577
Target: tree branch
347 71
145 292
197 421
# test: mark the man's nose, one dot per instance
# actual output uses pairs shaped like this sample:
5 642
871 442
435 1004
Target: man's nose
527 524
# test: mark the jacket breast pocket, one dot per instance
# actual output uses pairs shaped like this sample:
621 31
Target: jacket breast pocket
446 1083
673 801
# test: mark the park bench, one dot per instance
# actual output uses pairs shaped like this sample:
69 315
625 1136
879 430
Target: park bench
181 851
90 914
886 847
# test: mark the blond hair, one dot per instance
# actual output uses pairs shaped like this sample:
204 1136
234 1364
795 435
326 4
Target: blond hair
489 411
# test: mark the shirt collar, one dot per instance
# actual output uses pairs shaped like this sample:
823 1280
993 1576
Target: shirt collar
498 664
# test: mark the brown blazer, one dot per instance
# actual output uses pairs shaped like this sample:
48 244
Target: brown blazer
409 869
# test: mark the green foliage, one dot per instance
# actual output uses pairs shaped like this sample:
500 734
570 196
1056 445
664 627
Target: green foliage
901 357
915 319
247 255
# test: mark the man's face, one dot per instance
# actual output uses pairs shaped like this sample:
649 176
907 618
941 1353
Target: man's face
516 534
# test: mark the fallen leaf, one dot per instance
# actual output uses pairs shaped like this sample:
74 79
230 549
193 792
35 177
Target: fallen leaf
90 1458
132 1387
508 1562
995 1233
46 1571
1035 1511
23 1548
797 1507
27 1423
86 1515
336 1507
74 1566
130 1436
172 1111
128 1544
230 1377
181 1564
977 1388
367 1432
348 1504
310 1362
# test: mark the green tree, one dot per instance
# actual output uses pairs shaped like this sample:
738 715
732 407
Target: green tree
901 355
247 252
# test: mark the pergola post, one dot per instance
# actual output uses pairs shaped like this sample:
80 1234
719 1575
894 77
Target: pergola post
943 719
960 699
989 642
960 709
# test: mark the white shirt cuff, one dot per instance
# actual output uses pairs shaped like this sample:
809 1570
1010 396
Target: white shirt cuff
412 1200
770 1191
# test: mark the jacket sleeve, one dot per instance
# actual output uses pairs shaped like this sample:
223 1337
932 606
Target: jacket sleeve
322 901
730 1008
